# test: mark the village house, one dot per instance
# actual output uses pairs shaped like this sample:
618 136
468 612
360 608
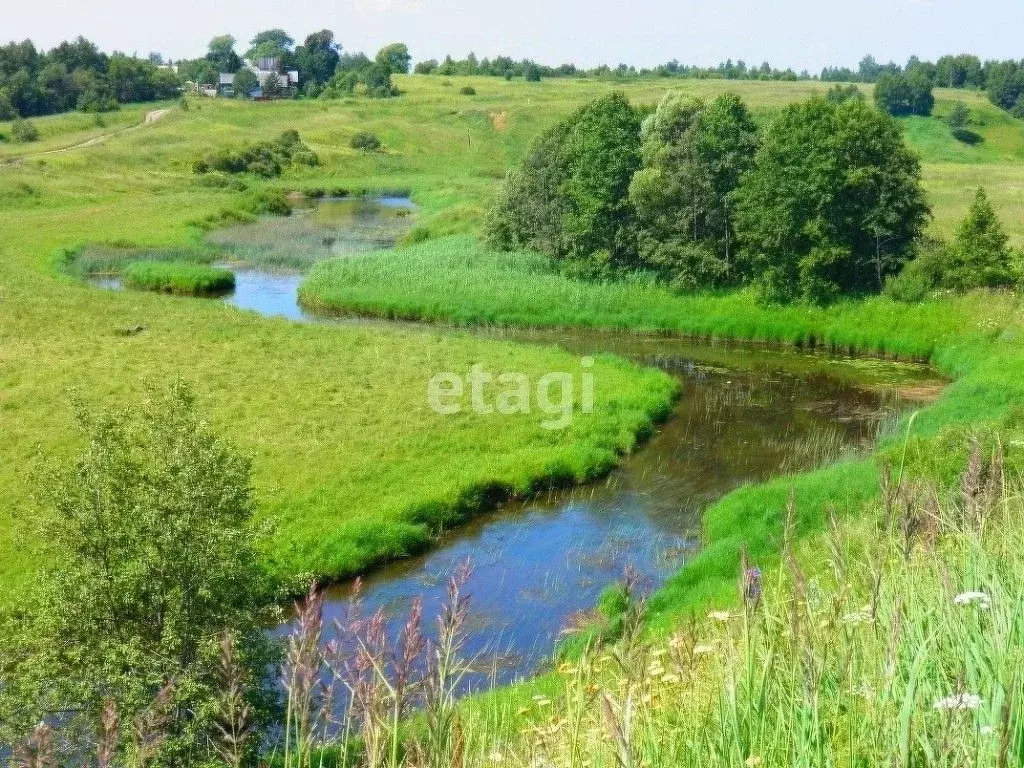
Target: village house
263 68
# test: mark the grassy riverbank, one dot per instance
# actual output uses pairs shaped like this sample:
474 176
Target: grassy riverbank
972 338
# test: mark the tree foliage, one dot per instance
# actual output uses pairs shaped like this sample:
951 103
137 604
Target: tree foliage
900 94
76 75
569 199
694 155
150 559
395 58
833 203
979 255
271 43
317 59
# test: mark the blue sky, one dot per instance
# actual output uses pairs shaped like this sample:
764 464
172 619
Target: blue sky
796 33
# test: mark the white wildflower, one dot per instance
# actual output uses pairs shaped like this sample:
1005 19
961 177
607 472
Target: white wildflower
983 601
959 701
987 730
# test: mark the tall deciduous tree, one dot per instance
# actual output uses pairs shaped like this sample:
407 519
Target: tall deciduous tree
833 203
317 58
694 155
395 58
271 43
221 54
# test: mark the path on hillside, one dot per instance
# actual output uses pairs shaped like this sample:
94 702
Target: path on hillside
151 117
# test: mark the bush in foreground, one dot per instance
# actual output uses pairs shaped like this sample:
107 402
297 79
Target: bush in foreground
178 278
149 607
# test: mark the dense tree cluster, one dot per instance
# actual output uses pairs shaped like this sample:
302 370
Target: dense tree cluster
900 94
76 75
826 200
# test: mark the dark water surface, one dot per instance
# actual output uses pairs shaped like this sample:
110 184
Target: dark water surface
746 413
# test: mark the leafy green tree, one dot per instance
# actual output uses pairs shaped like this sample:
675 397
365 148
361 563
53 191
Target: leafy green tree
979 255
900 94
7 110
245 82
221 54
833 203
377 79
271 43
960 124
602 152
24 131
694 155
395 58
569 198
531 72
317 58
531 207
272 88
961 71
150 558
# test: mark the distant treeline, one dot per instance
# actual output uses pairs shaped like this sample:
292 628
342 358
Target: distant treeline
76 75
1003 80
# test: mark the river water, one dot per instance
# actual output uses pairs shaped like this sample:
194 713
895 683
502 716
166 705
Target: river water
745 413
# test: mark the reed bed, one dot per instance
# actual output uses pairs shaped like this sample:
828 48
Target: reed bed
178 278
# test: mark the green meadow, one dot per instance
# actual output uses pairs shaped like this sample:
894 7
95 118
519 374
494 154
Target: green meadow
350 465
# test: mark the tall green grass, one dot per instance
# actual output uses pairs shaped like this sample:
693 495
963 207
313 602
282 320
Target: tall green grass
890 639
456 280
177 278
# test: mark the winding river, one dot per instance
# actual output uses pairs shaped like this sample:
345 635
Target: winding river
746 413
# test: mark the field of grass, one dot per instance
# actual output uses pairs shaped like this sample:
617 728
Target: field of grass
335 417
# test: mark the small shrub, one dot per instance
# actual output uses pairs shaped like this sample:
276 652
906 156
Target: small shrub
268 202
24 131
468 90
365 141
178 278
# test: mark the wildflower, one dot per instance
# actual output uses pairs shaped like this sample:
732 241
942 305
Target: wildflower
752 761
670 679
987 730
983 601
496 757
752 586
720 615
863 616
958 701
703 650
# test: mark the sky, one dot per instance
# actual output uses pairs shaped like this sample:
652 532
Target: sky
802 34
